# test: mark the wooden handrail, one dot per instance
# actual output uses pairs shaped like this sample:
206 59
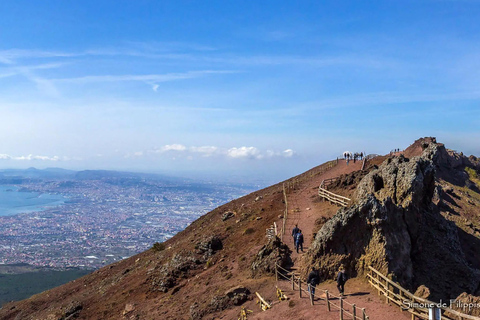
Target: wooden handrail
328 296
398 299
332 197
335 195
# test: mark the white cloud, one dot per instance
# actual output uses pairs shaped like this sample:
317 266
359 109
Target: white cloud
244 152
31 157
288 153
210 151
173 147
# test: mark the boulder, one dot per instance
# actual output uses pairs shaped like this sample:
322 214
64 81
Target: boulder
274 252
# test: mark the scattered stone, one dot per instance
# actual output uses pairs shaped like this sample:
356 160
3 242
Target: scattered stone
208 246
258 198
238 295
129 307
422 292
258 218
178 267
448 189
227 215
195 312
464 303
308 209
71 311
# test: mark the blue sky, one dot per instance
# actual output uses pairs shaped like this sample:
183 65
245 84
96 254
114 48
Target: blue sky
261 88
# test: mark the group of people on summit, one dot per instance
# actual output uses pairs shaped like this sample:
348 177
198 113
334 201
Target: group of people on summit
314 277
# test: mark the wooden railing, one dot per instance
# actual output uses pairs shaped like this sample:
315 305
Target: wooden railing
418 307
332 197
285 214
346 310
325 183
292 183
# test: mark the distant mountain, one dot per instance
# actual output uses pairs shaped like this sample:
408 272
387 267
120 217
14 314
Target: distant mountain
33 173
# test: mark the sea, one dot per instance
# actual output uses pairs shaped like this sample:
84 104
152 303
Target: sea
14 202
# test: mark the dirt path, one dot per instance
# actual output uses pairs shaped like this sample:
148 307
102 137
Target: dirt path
304 208
357 292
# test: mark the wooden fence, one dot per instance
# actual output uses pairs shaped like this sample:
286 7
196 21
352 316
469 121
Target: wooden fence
325 183
295 181
332 197
292 183
418 307
285 214
345 309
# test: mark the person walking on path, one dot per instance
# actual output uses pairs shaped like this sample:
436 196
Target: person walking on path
341 279
299 240
295 231
312 280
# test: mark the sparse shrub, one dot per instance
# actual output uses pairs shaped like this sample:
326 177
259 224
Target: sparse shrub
208 264
158 246
242 258
291 304
228 228
249 231
472 173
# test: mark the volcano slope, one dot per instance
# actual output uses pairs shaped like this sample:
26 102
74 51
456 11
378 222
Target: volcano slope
218 263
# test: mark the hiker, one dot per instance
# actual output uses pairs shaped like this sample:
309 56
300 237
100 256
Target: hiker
341 279
295 231
299 240
313 280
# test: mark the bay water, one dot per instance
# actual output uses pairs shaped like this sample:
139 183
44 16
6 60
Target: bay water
14 202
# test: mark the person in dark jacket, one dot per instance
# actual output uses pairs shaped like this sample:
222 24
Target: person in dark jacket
312 280
299 240
341 279
295 231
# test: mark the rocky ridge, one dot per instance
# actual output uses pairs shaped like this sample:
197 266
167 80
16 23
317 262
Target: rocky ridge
395 226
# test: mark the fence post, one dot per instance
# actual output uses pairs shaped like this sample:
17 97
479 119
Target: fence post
341 308
276 274
387 294
293 281
364 315
328 300
401 297
354 311
300 286
311 294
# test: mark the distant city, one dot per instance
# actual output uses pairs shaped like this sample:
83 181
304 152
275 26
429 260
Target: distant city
105 216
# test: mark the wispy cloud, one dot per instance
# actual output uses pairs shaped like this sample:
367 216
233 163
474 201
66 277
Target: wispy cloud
209 151
12 55
31 157
147 78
